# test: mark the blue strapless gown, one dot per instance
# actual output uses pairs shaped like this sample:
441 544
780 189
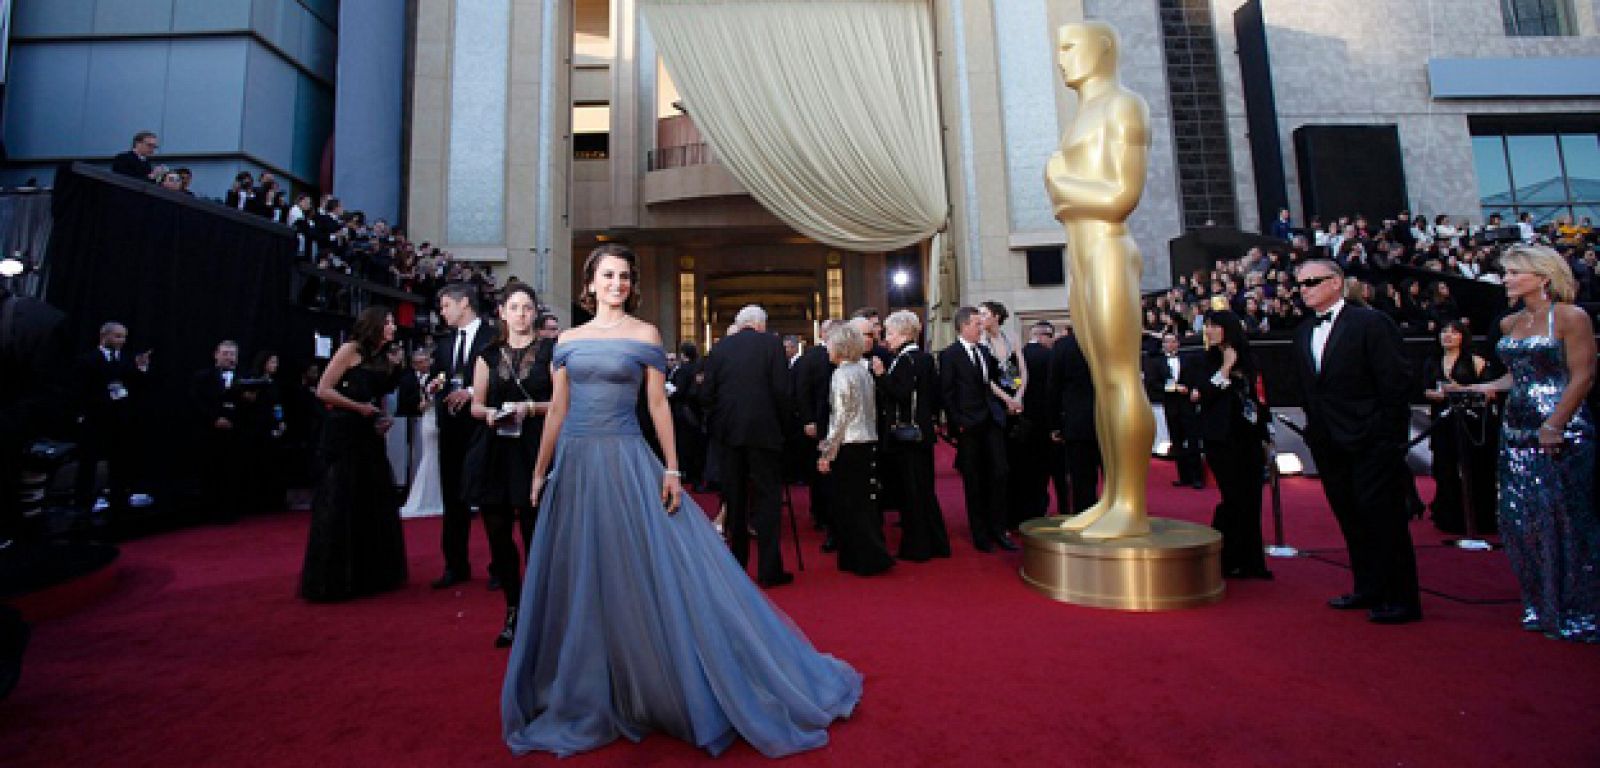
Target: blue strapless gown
1547 518
635 621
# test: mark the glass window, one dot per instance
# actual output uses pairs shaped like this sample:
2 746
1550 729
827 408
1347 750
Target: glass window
475 208
1537 18
1489 157
1580 154
1536 169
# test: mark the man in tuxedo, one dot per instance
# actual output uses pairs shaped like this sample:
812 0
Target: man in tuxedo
1072 419
108 387
968 377
688 423
214 398
813 373
1355 379
871 327
135 163
453 357
1169 378
411 394
746 390
1043 461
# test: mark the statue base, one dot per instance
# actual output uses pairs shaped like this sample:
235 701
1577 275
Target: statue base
1176 565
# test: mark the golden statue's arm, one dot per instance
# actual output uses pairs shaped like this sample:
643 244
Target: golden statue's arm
1111 197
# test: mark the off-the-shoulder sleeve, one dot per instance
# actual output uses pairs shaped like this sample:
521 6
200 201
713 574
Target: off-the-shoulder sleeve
653 356
558 357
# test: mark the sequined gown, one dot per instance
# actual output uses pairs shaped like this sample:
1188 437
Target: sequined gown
1547 520
633 620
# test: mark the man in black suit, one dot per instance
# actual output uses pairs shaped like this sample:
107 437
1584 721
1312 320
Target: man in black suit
1072 419
1355 381
813 372
688 422
411 393
214 399
108 388
746 391
1169 378
135 163
1044 463
969 378
453 358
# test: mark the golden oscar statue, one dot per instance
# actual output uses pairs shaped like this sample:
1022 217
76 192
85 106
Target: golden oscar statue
1095 182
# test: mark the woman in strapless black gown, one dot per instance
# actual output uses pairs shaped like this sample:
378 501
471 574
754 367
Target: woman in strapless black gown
356 547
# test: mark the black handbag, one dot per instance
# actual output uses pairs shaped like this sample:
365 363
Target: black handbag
906 431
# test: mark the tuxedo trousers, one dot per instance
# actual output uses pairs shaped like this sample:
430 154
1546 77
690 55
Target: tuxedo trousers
981 460
753 490
1367 489
1083 473
455 437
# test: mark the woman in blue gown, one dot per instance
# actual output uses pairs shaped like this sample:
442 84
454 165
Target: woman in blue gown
634 615
1547 518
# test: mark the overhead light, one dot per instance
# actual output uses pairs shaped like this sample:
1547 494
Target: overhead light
11 267
901 278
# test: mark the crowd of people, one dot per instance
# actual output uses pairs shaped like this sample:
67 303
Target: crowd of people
327 234
1260 287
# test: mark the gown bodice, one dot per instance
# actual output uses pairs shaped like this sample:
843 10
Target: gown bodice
603 381
1538 367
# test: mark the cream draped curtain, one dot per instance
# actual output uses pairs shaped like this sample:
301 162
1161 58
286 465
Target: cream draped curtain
826 110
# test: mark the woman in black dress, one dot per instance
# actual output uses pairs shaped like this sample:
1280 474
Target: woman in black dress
908 393
849 453
1457 366
1013 383
356 547
511 392
1229 414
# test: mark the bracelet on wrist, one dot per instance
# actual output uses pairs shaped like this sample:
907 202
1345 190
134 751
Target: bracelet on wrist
1548 428
674 473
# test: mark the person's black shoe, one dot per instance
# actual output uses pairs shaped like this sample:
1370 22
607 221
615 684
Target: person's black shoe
1351 602
508 633
829 545
448 580
1180 483
983 546
1394 614
493 584
1199 485
1240 573
1006 542
783 578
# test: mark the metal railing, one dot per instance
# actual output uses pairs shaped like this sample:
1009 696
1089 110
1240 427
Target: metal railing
680 156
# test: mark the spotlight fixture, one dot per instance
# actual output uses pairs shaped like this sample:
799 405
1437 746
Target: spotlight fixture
901 278
11 267
1289 464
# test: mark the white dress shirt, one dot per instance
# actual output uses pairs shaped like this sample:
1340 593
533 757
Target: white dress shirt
1319 334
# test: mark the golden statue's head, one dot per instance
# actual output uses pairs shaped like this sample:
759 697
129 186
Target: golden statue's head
1085 50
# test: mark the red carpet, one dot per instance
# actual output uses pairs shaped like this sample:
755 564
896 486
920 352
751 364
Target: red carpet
203 656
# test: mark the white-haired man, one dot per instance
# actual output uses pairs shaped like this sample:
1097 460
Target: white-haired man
746 391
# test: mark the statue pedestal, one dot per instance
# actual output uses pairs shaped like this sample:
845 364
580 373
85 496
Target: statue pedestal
1178 565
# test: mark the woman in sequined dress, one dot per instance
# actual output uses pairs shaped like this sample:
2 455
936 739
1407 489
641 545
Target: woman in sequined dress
849 452
1547 518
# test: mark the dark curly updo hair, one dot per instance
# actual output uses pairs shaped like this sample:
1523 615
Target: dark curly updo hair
591 264
998 310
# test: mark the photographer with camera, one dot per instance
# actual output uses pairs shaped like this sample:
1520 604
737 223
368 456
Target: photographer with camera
1466 429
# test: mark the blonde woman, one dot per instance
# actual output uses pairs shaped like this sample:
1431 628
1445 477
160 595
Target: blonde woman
1547 447
849 453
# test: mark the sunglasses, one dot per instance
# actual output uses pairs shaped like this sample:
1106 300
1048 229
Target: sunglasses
1312 282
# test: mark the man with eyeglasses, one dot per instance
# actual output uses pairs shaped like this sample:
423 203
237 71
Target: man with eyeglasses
1355 380
136 161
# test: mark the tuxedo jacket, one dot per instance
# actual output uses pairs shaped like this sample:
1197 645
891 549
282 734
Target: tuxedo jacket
408 394
1036 398
210 400
1359 398
1071 391
93 375
1192 372
444 363
813 373
131 164
964 391
746 390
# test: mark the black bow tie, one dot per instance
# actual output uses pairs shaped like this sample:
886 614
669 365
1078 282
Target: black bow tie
1322 317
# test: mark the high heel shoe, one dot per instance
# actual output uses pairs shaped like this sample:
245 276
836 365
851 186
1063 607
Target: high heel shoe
509 631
